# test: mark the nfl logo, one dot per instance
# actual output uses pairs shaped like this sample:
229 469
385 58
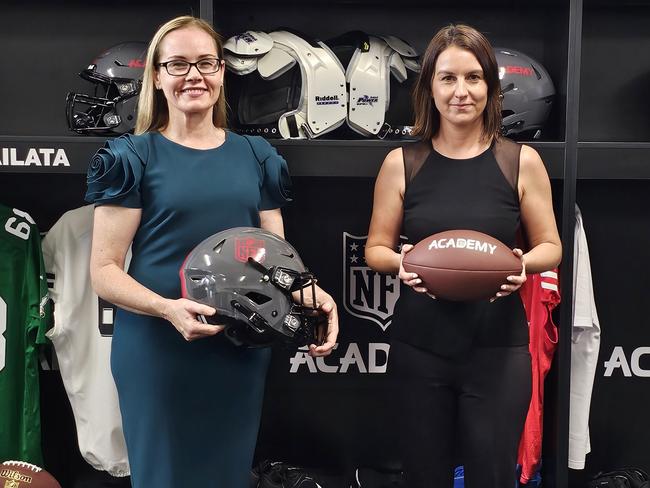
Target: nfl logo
250 248
367 294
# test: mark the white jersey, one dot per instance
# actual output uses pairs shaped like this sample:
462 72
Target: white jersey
584 349
82 351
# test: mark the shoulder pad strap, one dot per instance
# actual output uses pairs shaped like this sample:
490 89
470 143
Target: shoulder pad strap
358 39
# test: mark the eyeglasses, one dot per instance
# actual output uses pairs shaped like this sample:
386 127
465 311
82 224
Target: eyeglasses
181 68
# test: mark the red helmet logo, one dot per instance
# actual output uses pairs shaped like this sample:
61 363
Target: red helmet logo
250 248
519 70
135 63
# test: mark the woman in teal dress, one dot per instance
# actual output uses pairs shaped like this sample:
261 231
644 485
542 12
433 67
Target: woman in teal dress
190 400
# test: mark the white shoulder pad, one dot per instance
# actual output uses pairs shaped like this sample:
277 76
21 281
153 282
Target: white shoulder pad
324 102
249 43
400 46
240 66
275 63
369 86
397 67
368 76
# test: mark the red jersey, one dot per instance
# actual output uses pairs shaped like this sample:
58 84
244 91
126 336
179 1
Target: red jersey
540 295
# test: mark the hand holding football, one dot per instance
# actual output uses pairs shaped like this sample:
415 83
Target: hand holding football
462 265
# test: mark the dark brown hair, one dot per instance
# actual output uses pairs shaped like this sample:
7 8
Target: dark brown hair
427 117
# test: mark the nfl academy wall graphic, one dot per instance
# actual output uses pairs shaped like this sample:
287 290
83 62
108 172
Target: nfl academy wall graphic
23 154
367 294
626 364
41 156
354 375
351 360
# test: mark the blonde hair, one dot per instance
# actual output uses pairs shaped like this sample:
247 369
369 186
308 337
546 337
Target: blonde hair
153 113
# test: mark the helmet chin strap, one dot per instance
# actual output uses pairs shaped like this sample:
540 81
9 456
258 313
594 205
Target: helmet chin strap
302 325
255 320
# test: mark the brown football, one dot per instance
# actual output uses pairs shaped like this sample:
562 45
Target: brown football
21 474
462 264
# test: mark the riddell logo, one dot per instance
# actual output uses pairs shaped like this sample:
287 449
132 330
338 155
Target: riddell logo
618 360
135 63
327 99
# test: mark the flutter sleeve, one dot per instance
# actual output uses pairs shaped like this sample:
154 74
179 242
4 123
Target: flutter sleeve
115 173
275 182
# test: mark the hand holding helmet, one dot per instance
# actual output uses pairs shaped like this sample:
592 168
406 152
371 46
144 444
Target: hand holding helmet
250 276
327 326
185 315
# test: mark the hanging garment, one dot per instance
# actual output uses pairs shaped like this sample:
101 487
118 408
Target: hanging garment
23 321
540 295
82 342
585 344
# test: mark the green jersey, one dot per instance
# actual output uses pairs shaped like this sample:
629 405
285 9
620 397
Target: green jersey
23 323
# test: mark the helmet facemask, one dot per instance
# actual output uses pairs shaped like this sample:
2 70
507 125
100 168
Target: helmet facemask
116 76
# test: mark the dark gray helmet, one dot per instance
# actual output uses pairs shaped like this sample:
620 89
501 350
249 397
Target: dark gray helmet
117 78
528 93
248 276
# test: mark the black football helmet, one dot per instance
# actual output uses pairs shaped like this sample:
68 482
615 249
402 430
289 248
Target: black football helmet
117 78
248 275
276 474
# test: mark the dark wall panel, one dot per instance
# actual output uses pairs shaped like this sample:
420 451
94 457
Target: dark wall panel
614 74
617 222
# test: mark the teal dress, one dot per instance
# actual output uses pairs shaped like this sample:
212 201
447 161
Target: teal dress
190 410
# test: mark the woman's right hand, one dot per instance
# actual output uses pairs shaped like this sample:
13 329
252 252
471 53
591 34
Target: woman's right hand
183 314
410 279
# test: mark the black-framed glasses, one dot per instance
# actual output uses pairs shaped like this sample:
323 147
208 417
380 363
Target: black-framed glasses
178 67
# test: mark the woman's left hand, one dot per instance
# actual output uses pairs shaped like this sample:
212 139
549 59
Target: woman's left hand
327 332
514 281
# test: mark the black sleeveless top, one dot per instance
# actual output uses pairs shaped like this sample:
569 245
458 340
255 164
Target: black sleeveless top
478 193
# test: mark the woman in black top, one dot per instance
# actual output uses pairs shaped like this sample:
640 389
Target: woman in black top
464 366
